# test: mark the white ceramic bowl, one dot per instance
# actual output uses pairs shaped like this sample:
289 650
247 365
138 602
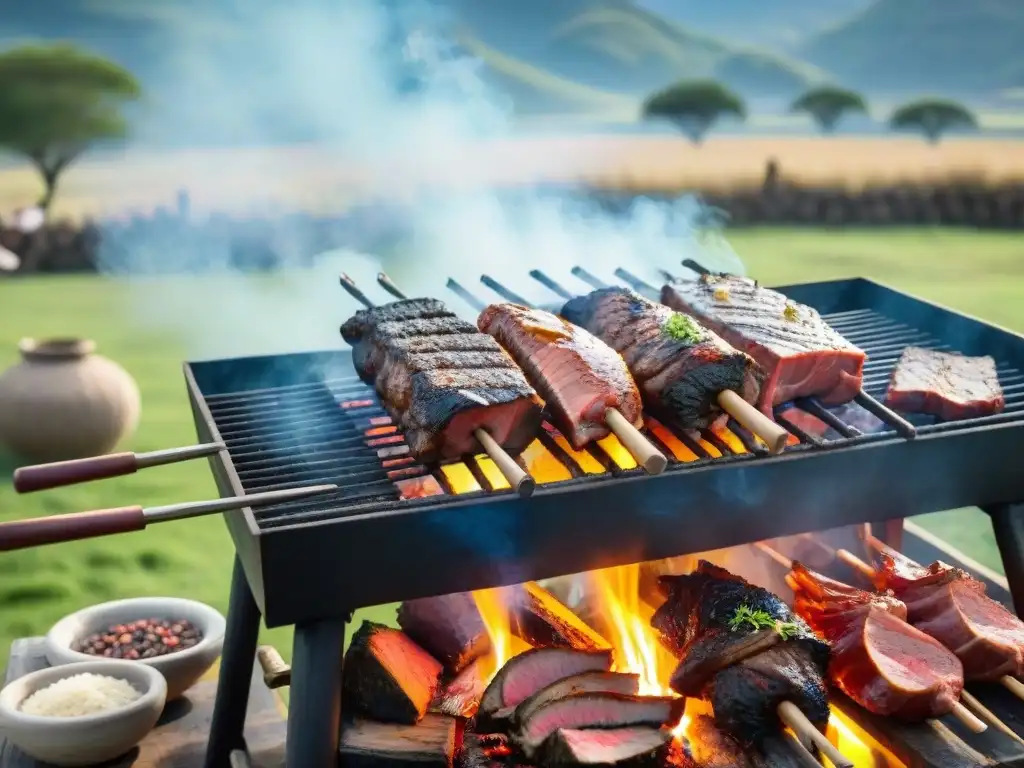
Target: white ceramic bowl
90 739
182 669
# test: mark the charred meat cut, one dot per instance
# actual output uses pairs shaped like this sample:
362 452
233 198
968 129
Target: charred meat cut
679 366
587 682
524 675
951 606
449 626
801 354
742 649
578 376
596 710
540 618
605 746
945 384
440 379
879 660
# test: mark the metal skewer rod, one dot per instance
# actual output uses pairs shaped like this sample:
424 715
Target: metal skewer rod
56 529
41 477
960 712
518 478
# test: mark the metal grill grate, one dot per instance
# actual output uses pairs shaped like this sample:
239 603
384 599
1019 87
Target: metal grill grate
334 430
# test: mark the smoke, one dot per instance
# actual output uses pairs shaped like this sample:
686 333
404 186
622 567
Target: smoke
380 87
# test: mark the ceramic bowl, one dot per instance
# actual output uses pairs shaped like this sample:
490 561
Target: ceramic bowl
182 669
90 739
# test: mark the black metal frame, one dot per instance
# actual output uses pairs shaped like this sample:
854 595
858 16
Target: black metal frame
498 539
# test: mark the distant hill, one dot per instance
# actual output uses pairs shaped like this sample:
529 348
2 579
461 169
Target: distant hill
779 24
948 46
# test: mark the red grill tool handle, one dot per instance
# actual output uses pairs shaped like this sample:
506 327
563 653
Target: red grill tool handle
41 477
22 534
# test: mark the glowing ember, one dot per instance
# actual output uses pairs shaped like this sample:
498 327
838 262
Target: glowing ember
617 452
679 449
491 472
419 487
390 440
380 431
731 439
583 459
460 478
542 464
358 404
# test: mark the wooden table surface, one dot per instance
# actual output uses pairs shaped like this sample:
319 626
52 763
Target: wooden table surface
179 739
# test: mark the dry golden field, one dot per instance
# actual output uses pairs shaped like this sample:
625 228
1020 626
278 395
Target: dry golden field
317 178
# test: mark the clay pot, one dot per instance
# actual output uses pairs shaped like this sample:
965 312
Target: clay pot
62 401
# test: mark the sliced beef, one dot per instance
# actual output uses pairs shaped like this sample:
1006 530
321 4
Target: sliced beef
587 682
596 710
879 660
529 672
387 676
710 747
801 354
951 606
440 379
679 366
945 384
578 376
745 667
606 746
450 627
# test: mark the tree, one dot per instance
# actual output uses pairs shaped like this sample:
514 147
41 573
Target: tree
56 102
826 104
933 118
694 106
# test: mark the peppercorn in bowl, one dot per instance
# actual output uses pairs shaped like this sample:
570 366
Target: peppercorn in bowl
180 638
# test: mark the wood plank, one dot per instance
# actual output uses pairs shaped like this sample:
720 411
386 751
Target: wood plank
179 739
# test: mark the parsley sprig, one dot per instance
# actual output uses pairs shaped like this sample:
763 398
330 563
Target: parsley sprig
745 616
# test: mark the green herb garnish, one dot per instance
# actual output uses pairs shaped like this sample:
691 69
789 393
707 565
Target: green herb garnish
682 328
790 313
744 616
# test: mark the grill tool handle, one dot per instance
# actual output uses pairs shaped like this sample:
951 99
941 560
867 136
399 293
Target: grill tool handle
276 672
22 534
44 476
647 456
517 477
774 435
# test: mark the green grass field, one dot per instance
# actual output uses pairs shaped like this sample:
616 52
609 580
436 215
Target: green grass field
981 274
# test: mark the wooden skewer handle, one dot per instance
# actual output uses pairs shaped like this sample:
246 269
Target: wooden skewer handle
791 715
965 716
41 477
517 477
276 673
751 418
56 529
855 562
647 456
1013 685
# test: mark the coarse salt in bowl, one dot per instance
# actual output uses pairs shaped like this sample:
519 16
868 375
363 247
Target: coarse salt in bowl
182 669
81 740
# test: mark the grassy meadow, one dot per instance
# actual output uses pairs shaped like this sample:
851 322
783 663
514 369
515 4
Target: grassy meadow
981 274
242 179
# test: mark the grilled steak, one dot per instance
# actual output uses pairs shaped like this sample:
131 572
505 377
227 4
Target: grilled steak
587 682
951 606
945 384
710 747
679 366
448 626
441 379
596 710
524 675
605 747
578 375
800 353
879 660
742 649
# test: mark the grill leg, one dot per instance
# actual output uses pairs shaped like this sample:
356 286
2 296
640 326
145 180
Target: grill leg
1008 524
229 709
314 705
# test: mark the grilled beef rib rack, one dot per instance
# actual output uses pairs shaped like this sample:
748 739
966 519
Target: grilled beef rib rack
303 419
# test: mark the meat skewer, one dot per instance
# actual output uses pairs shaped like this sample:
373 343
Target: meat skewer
951 606
56 529
41 477
746 652
447 384
865 630
689 376
803 356
584 382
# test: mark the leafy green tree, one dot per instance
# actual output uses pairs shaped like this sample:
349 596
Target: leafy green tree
56 102
933 118
826 104
694 106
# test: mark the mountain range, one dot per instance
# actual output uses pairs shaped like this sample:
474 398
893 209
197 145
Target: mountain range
589 56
